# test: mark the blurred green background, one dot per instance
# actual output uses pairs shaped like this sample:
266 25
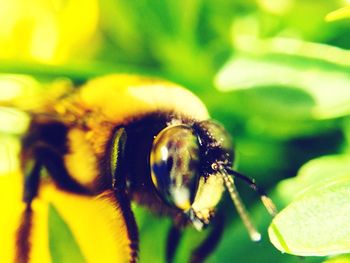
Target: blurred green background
274 72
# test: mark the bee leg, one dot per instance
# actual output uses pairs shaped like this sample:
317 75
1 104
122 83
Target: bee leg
210 243
31 188
119 186
53 162
125 206
173 239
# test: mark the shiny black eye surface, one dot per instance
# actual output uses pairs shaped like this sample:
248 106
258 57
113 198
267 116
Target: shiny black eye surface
175 165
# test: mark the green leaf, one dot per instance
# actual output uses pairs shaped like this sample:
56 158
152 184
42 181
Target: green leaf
76 71
237 246
287 94
338 14
314 174
63 246
288 85
151 228
339 259
316 223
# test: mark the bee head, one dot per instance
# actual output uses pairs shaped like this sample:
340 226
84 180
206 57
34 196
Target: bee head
183 168
191 165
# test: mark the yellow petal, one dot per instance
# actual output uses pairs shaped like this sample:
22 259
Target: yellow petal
46 31
96 223
11 208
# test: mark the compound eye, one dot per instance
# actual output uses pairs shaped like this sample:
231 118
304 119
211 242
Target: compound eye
175 165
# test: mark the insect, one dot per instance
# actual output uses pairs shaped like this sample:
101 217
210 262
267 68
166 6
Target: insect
139 139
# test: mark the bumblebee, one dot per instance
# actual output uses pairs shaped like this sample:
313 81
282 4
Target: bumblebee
134 139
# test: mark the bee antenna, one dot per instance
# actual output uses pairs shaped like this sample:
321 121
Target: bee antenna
227 173
267 202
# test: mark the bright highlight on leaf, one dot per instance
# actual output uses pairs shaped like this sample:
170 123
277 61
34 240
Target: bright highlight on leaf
317 92
315 173
339 259
316 223
341 13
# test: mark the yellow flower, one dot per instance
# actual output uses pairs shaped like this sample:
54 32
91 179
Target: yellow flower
95 223
46 31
